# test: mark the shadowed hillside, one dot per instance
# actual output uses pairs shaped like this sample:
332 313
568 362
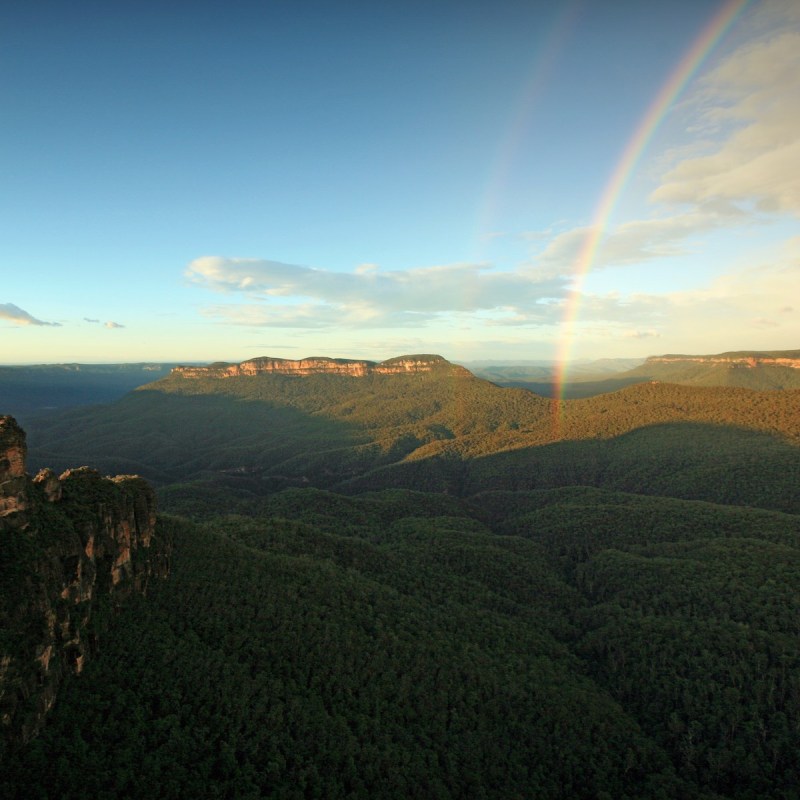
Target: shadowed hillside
440 430
471 590
759 370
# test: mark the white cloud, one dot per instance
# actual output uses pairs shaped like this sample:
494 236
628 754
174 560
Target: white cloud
18 316
630 243
112 325
637 334
739 164
367 297
749 104
742 162
745 309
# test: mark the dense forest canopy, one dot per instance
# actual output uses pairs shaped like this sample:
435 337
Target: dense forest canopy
429 585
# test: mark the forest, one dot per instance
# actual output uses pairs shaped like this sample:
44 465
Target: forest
431 586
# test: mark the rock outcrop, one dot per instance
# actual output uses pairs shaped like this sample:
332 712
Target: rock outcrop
71 549
735 360
13 482
402 365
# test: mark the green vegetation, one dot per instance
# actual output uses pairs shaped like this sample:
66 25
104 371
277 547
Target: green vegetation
745 369
428 586
251 436
563 643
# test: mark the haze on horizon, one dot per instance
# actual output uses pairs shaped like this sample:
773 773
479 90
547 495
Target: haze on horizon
216 182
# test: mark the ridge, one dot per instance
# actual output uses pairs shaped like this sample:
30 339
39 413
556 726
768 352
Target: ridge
318 365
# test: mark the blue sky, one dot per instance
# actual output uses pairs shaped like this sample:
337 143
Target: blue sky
209 181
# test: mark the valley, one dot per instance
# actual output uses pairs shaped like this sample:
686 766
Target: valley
403 570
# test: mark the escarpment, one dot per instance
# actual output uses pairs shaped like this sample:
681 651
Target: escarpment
72 547
401 365
789 359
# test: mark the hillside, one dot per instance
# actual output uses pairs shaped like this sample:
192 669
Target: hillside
565 643
438 429
759 370
583 378
410 582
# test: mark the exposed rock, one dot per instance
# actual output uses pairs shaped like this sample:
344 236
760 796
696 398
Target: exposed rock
51 485
745 361
71 548
322 365
13 483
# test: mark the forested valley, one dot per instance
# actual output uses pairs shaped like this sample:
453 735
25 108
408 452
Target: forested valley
429 586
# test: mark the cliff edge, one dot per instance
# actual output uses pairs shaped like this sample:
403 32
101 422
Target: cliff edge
318 365
743 360
71 548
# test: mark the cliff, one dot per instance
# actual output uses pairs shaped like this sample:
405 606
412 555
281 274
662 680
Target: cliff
789 359
71 548
316 365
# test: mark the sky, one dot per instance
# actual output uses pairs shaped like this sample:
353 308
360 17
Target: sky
193 182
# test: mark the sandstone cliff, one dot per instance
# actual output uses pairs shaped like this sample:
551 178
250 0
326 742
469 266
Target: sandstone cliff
402 365
791 360
71 548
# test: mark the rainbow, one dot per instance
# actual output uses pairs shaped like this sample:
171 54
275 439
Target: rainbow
656 112
503 163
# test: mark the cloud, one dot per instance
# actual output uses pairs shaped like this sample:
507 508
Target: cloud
742 161
649 334
110 324
366 297
738 165
748 104
87 319
630 243
733 307
15 314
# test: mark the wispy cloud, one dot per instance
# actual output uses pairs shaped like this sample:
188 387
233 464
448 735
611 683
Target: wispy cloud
744 306
366 297
637 334
739 165
633 242
748 108
12 313
111 325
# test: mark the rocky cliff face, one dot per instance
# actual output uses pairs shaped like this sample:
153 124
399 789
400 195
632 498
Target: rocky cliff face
71 548
13 482
401 365
744 361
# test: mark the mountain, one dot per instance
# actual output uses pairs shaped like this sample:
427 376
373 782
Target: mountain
584 378
748 369
71 548
546 371
434 427
322 365
760 370
397 579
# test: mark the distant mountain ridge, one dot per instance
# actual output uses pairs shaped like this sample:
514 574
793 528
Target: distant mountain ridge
317 365
780 358
747 369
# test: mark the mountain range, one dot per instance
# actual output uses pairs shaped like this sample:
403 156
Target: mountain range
759 370
398 579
